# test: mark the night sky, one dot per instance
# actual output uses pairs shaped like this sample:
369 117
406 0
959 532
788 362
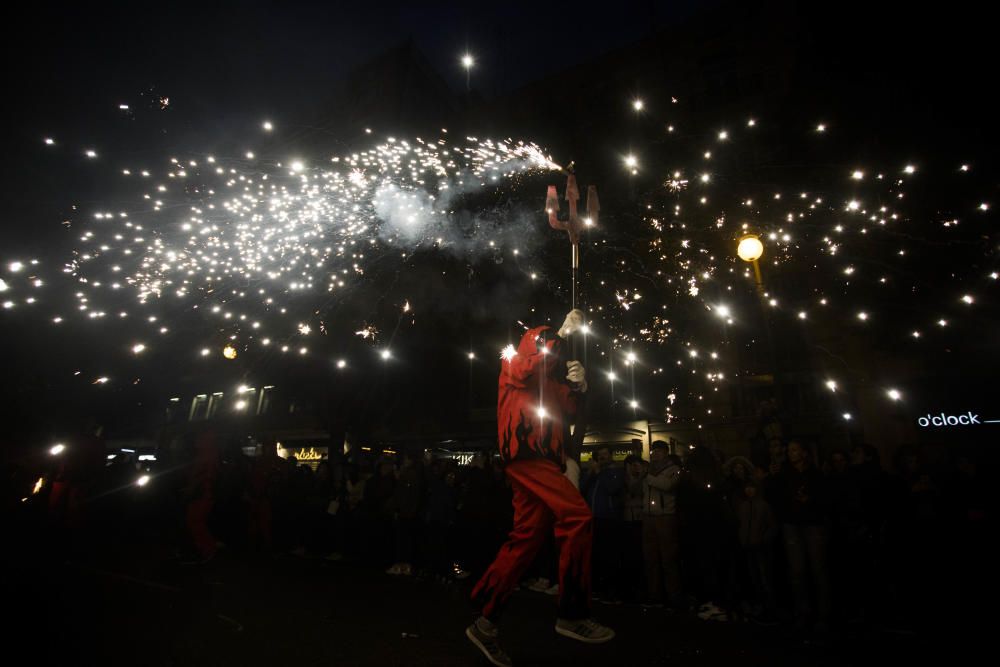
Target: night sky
893 74
225 66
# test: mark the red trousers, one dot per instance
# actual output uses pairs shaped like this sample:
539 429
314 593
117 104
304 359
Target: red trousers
543 499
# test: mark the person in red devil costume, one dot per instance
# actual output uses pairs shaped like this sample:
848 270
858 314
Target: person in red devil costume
540 391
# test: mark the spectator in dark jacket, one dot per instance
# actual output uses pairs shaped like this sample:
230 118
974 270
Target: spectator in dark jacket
439 520
802 506
708 528
477 515
631 544
407 497
602 487
758 529
319 520
378 511
661 526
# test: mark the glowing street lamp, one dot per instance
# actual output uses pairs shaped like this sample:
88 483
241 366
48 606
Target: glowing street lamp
468 62
58 449
750 250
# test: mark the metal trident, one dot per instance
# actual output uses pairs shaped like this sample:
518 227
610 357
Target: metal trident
574 225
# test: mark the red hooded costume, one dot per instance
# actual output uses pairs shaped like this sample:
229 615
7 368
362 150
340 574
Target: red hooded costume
534 409
535 404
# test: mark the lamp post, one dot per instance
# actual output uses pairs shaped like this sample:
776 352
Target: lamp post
750 249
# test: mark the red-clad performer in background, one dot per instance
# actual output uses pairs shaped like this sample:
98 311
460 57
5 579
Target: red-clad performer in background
540 390
201 494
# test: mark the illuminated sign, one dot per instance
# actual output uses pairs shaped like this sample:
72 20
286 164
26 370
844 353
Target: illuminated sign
966 419
618 453
308 455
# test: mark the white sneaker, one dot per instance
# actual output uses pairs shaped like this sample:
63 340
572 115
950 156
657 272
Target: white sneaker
486 641
709 612
539 585
585 630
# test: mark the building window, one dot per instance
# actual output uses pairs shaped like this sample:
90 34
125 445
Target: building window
199 408
264 399
214 403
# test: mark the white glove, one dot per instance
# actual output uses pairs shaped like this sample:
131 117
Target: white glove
577 375
573 322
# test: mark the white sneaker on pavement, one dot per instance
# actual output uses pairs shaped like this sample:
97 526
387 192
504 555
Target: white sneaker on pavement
585 630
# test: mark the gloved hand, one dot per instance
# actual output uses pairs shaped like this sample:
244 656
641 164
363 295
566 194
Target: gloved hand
577 375
573 322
